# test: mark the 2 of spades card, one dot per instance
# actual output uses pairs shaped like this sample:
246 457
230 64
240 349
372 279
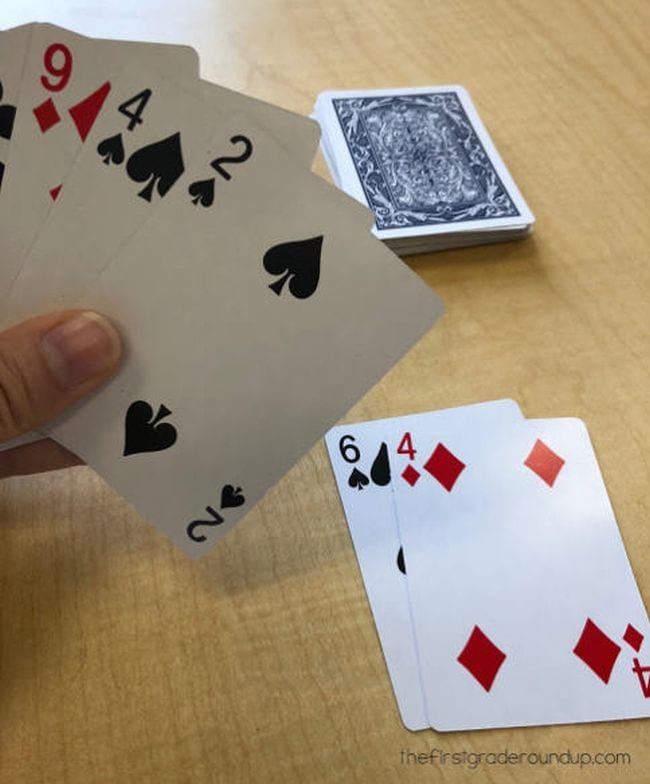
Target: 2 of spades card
253 322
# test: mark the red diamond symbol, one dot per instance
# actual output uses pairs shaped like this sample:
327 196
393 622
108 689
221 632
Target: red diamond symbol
633 637
86 112
544 462
411 475
46 115
444 467
597 650
481 658
54 193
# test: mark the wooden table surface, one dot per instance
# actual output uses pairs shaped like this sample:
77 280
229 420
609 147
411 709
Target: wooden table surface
121 660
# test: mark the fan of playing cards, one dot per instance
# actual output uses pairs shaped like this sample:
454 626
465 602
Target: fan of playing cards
256 303
495 570
423 161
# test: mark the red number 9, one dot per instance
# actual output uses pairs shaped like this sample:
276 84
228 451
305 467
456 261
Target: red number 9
62 74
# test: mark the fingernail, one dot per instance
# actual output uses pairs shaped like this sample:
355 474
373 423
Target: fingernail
81 348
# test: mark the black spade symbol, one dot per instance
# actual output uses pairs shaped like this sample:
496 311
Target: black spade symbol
161 163
202 192
143 433
358 479
400 561
7 117
112 150
380 471
231 497
298 263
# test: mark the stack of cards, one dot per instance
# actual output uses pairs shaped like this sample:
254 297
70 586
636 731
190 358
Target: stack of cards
495 569
422 160
256 305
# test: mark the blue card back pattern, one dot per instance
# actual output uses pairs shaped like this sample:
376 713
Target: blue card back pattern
420 161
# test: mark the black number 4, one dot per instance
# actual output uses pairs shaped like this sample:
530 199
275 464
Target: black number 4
140 101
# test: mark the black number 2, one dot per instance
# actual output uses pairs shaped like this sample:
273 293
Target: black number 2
217 163
217 519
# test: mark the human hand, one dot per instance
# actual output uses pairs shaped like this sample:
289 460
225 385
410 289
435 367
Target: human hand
47 364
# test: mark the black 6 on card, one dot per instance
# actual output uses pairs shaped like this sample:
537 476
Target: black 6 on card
379 470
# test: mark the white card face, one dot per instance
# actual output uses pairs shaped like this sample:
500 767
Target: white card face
421 159
252 324
297 135
138 151
542 621
359 454
13 51
66 81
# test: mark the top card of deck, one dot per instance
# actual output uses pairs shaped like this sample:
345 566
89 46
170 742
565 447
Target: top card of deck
421 159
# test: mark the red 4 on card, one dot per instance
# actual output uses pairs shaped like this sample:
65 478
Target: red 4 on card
525 608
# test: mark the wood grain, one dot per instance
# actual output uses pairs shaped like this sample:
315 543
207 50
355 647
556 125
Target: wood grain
120 660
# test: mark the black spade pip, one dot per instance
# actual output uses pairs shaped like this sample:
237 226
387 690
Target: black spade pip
160 163
357 479
202 192
112 150
380 471
299 265
143 433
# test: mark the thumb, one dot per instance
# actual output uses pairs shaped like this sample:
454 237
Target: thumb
49 362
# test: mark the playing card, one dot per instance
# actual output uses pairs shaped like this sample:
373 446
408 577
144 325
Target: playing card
13 51
252 325
362 457
137 152
66 81
421 159
541 621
